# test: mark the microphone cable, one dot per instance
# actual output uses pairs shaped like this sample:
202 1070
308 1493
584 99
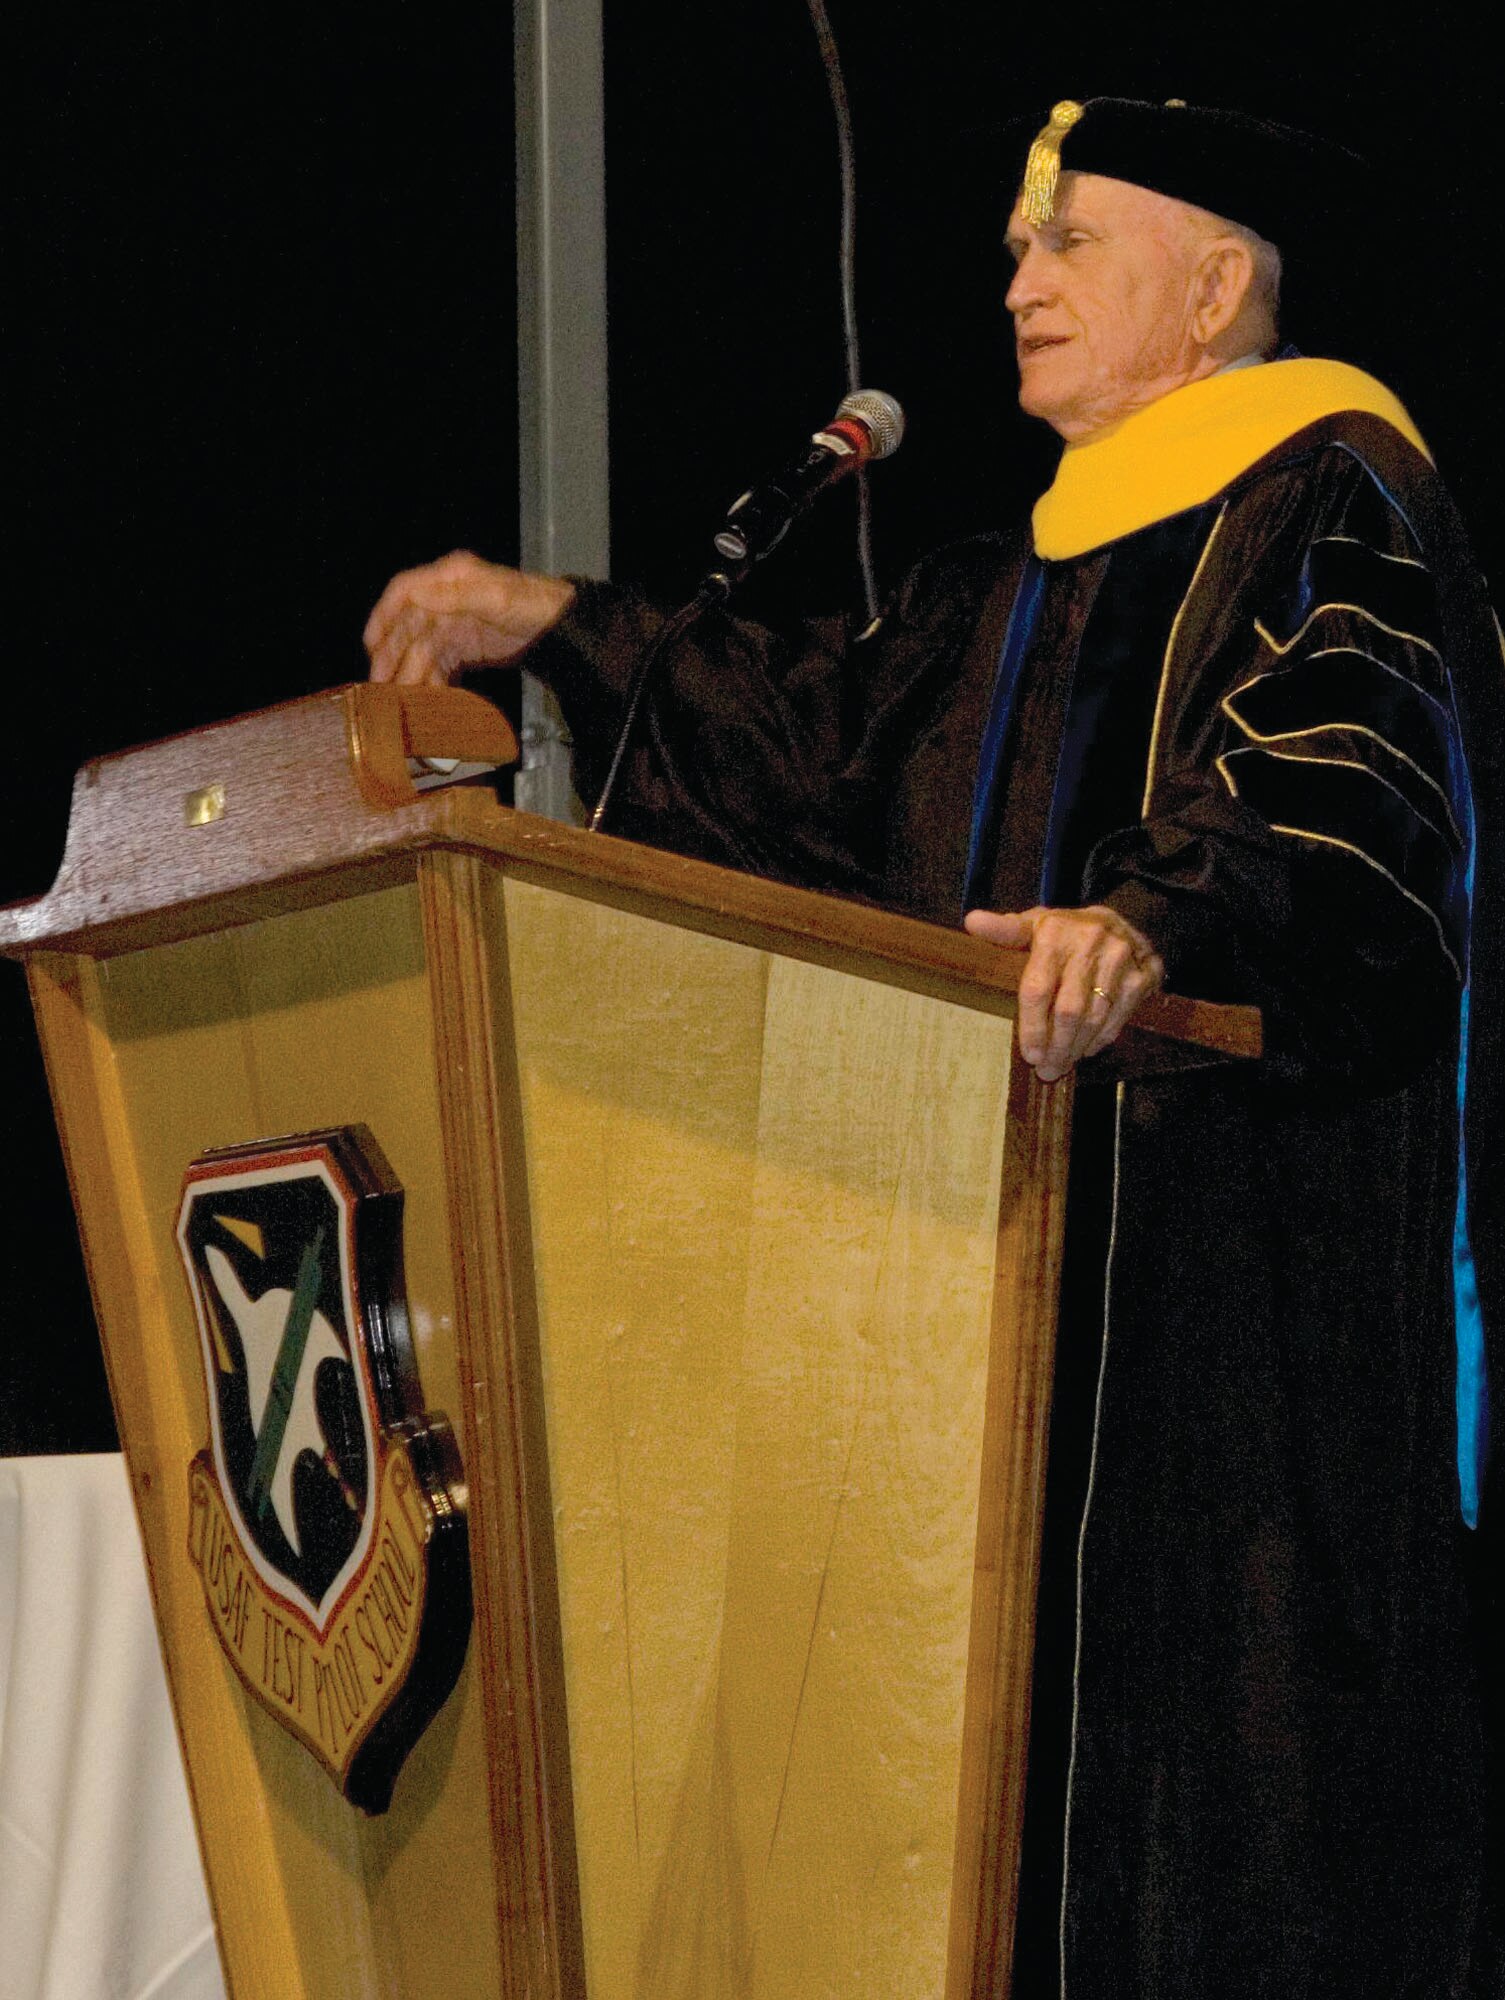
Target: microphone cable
867 425
836 83
716 587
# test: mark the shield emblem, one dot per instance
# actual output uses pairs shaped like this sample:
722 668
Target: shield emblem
327 1514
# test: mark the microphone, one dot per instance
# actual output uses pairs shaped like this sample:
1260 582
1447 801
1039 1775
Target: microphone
867 425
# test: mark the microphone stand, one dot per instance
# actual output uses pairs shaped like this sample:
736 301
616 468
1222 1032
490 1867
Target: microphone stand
867 424
715 589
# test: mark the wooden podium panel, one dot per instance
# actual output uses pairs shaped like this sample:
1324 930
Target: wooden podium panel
318 1017
764 1200
731 1235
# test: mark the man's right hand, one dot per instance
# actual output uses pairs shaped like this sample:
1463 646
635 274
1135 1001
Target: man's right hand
459 612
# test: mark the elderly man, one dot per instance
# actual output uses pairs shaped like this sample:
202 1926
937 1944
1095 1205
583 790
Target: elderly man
1205 725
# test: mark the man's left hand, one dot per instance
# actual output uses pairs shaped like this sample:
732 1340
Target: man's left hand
1088 970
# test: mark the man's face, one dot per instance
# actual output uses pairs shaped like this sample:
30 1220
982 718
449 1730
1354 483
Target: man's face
1102 299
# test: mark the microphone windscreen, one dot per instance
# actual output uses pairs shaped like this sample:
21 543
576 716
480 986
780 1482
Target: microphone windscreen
879 415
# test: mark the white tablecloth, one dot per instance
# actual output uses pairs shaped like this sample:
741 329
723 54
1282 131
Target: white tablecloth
101 1889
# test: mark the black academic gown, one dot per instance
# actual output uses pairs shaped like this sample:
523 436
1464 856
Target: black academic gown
1242 727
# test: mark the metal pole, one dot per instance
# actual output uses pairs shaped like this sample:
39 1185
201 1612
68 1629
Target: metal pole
561 336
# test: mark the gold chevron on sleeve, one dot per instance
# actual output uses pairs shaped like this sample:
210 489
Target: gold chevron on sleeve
1341 728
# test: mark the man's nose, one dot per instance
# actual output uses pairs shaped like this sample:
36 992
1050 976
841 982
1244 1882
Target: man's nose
1029 285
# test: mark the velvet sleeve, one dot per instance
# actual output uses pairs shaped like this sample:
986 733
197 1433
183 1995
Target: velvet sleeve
1307 842
763 749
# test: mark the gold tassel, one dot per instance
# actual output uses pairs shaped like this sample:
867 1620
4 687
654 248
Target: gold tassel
1043 167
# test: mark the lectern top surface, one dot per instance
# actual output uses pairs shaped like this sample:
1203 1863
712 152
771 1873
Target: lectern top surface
311 802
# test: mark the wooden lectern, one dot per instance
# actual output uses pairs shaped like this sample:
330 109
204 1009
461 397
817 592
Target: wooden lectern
720 1224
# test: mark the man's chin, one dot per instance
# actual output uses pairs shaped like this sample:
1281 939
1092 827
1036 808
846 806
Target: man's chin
1051 402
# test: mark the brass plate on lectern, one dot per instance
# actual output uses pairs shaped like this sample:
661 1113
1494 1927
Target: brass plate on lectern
327 1513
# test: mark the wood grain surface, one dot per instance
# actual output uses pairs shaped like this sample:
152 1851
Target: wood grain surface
1016 1423
314 1019
300 827
765 1202
518 1644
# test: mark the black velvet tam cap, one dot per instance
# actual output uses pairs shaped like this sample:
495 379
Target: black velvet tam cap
1270 178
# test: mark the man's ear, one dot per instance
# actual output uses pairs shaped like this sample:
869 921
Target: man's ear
1224 278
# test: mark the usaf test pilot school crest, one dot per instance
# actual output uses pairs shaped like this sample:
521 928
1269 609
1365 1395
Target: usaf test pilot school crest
326 1517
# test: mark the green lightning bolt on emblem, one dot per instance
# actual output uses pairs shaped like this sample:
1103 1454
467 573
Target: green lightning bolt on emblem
284 1382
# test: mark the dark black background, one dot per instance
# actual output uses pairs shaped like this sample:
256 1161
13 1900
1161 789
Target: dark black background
260 351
